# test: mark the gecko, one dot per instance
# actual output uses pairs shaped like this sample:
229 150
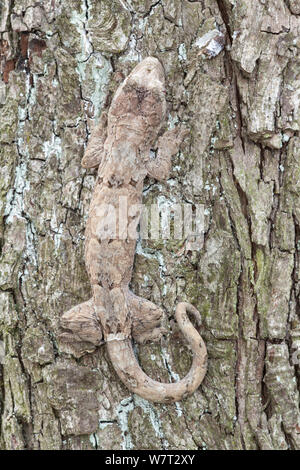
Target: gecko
120 147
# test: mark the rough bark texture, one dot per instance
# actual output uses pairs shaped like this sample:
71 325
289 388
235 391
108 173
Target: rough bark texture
60 64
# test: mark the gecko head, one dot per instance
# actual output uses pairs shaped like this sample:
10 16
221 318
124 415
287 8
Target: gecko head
148 74
139 105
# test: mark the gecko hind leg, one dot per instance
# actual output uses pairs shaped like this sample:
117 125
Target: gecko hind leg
146 319
81 330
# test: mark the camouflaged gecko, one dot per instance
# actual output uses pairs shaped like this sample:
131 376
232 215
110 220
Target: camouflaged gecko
120 148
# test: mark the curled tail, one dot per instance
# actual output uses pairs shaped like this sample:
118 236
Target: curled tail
131 374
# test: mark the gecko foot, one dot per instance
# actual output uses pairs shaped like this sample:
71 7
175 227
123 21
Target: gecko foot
146 319
81 331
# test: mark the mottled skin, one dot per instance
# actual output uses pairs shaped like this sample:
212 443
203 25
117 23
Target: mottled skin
120 148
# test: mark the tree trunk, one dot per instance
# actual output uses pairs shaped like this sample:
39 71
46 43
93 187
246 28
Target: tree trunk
232 69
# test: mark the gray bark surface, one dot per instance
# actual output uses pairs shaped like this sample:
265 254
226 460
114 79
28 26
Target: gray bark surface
232 70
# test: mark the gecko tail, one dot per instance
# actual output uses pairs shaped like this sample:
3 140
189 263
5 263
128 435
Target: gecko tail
128 369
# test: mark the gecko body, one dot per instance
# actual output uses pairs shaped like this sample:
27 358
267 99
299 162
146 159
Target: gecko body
120 148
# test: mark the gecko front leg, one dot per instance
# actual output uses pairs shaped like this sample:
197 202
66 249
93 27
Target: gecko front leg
167 146
95 149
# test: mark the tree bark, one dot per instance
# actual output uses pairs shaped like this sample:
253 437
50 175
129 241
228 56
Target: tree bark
232 69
